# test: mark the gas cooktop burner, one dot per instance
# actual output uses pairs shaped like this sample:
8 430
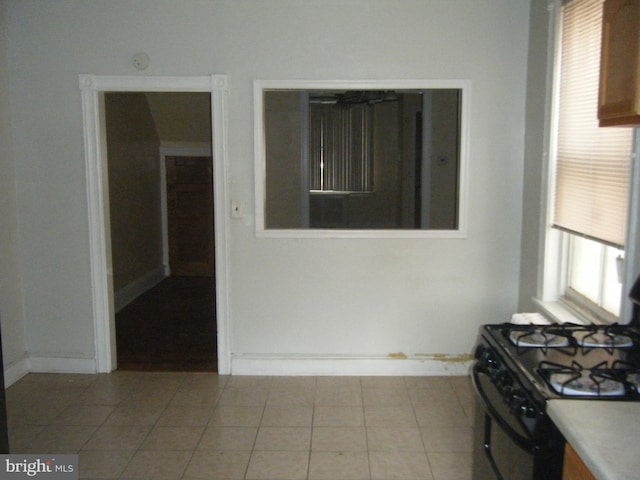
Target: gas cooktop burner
571 360
537 338
585 384
606 379
603 339
571 335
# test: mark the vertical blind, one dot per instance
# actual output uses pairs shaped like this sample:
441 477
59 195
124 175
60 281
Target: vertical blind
593 163
340 143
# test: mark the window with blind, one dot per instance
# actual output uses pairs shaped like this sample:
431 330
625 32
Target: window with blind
592 169
340 144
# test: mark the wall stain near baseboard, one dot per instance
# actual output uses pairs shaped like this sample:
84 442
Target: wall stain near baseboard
398 356
445 357
440 357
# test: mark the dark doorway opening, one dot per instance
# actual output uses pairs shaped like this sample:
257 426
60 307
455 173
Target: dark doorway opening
161 204
169 328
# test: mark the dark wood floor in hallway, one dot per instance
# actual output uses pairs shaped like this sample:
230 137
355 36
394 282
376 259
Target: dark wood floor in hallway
171 327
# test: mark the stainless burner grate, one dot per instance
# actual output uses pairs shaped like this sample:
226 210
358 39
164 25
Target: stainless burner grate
602 380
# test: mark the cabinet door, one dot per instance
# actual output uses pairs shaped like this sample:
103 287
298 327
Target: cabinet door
619 102
574 468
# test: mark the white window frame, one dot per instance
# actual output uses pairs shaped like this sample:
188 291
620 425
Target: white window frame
260 161
554 245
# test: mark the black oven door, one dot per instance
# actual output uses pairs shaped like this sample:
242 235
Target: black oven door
503 448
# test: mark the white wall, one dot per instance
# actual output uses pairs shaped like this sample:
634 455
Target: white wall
533 190
11 307
135 205
287 296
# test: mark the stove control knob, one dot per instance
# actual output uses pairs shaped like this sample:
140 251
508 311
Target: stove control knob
504 379
483 353
529 411
507 392
517 400
486 357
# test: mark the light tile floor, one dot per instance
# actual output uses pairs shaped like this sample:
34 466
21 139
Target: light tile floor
204 426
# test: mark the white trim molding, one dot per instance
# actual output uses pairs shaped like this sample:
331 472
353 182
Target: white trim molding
61 364
47 363
259 86
92 89
16 370
352 365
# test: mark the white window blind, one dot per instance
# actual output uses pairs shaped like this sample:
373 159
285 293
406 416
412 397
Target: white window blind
340 142
593 163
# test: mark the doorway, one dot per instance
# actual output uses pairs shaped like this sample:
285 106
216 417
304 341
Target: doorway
162 230
93 90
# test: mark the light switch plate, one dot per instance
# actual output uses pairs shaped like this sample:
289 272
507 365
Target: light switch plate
236 209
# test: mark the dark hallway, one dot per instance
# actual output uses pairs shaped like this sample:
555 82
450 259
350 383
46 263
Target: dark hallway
171 327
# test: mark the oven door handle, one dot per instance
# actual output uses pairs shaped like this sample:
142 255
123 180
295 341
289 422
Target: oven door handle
523 442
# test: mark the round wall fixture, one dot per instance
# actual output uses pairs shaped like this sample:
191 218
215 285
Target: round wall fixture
141 60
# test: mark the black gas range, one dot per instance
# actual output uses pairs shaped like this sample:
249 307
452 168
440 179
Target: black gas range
569 360
519 368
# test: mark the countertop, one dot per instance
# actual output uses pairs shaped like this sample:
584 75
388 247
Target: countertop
605 434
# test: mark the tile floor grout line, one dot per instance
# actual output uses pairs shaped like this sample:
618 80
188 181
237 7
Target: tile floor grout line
255 438
313 417
137 449
366 429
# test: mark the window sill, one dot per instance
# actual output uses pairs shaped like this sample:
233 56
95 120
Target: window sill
560 312
360 233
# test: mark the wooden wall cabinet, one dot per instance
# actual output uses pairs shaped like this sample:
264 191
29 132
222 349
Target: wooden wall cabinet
619 97
574 468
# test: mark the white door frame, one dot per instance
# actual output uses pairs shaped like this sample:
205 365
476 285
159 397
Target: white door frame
92 89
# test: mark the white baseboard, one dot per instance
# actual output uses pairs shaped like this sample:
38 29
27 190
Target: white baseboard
279 365
15 371
133 290
427 365
52 364
47 364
